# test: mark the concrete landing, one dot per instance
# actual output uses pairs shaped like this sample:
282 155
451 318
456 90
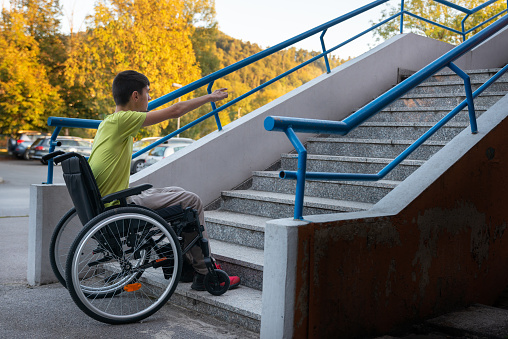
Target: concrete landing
478 320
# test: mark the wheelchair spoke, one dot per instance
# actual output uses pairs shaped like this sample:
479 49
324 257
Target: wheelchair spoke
124 266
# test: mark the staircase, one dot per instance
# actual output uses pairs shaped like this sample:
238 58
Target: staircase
236 221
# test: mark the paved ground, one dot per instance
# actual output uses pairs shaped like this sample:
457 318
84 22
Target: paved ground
48 311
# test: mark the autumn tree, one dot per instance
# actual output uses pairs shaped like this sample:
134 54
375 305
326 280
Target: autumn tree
439 13
150 37
27 96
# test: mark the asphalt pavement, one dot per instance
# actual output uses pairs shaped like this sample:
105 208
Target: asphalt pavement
48 311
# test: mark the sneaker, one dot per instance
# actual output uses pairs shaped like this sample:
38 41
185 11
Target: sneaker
198 283
234 281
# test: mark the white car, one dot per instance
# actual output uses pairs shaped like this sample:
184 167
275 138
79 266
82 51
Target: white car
138 163
166 149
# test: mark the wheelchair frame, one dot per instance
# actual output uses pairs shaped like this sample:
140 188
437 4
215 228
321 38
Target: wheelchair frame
125 261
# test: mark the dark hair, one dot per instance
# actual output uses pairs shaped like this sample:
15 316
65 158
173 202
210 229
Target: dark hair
126 83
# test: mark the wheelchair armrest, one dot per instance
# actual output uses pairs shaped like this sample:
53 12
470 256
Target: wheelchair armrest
125 193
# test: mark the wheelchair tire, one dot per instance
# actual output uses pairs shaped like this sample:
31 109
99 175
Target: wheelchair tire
62 238
220 286
124 265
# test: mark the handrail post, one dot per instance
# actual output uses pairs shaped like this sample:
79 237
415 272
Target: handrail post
401 16
463 28
324 51
469 95
214 107
300 175
52 144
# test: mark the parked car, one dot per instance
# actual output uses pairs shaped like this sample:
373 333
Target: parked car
67 144
166 149
138 163
20 144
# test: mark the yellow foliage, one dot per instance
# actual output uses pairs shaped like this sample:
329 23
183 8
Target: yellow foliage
150 37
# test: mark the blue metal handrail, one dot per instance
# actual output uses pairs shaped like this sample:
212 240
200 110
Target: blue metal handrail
210 79
292 125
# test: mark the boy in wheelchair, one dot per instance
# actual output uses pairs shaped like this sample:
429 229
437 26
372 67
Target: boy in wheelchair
112 150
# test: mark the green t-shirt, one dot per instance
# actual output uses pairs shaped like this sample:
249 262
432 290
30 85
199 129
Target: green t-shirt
112 150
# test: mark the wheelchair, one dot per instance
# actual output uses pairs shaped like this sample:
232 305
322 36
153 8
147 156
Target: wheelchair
122 263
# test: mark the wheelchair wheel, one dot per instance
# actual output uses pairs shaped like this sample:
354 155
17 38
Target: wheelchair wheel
218 285
63 236
124 265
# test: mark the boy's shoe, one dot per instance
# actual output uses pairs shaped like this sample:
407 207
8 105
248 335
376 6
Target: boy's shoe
234 281
198 283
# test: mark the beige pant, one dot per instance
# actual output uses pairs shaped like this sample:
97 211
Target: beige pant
155 198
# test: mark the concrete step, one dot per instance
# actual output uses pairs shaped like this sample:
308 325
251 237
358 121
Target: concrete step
405 130
477 320
278 205
345 164
423 114
245 262
369 192
236 228
475 75
445 99
241 306
457 86
378 148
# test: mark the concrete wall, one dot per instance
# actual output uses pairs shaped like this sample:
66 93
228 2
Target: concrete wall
435 243
490 54
223 160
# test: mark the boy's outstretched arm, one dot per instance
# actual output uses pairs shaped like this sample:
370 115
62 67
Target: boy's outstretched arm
181 108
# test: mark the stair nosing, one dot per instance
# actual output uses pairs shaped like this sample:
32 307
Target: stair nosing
238 254
456 82
376 141
232 223
449 95
412 124
377 184
428 108
344 158
288 199
230 301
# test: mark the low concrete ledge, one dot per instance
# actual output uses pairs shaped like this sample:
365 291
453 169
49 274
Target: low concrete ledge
48 203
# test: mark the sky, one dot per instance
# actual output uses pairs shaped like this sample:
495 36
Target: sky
269 22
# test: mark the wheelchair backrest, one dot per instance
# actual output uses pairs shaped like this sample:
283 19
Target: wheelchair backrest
82 187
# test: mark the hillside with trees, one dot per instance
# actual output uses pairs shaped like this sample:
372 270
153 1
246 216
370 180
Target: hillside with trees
44 72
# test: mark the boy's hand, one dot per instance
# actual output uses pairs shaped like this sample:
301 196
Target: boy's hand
219 94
